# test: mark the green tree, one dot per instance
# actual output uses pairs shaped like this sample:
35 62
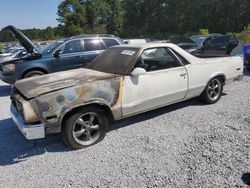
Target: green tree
143 18
115 18
244 36
49 33
134 18
1 48
97 14
72 17
162 17
6 36
90 16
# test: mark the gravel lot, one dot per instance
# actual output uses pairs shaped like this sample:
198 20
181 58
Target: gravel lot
184 145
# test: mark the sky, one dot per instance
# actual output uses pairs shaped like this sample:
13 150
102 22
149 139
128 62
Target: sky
27 14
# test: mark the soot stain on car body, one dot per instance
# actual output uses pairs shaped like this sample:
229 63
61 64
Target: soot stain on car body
54 104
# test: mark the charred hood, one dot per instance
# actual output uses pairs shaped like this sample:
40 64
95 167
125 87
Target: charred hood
33 87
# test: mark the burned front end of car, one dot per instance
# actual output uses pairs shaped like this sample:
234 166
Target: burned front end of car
40 111
37 116
25 117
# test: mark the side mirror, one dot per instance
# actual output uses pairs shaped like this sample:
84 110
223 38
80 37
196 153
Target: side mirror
57 53
233 44
138 71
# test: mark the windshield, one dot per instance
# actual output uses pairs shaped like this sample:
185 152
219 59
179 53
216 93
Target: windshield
198 39
115 60
52 46
177 39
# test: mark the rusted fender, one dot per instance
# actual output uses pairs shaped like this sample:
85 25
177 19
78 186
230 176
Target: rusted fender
36 86
55 104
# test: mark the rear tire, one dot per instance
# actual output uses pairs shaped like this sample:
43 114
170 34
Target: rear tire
213 91
33 74
84 127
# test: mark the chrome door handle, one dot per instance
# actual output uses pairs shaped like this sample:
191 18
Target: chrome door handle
183 74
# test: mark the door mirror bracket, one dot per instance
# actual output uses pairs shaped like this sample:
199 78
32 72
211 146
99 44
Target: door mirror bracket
138 71
57 53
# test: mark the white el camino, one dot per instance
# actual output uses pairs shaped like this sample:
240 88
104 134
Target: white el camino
122 81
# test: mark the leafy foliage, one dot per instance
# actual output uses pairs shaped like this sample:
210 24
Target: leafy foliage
90 16
72 17
244 36
6 36
41 34
159 17
144 18
203 31
115 18
1 48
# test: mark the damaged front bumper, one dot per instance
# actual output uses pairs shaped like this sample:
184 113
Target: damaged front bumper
29 131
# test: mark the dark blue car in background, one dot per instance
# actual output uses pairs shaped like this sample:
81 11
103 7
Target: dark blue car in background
64 54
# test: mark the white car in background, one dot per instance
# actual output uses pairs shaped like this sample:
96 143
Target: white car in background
135 41
11 51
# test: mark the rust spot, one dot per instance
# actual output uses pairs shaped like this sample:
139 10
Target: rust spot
83 91
60 98
118 92
44 107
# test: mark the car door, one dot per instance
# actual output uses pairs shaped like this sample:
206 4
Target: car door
217 46
92 48
165 82
71 56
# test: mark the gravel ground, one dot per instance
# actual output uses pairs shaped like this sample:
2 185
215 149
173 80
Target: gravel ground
184 145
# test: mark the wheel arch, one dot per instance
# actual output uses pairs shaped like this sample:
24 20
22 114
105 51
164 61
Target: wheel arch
221 76
34 69
97 105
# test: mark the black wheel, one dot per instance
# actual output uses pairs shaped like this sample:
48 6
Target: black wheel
33 74
84 127
212 92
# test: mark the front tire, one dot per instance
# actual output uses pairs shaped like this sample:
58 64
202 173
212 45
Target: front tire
213 91
84 127
33 74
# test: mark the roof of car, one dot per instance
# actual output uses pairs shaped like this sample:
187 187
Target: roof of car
91 35
145 45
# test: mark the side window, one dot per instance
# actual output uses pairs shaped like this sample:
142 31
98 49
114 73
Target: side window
181 58
220 40
207 42
186 46
71 47
92 45
157 59
102 45
232 37
110 42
